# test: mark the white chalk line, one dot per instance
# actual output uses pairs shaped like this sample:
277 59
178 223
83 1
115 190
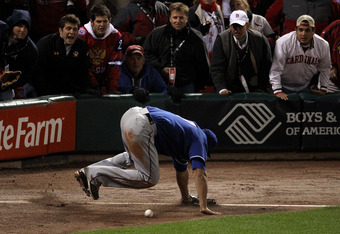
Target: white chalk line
15 202
165 204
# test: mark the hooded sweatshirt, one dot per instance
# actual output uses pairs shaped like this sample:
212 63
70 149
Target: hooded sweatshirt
22 55
105 55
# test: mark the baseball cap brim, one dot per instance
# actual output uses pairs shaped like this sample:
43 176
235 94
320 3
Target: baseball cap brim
240 22
137 52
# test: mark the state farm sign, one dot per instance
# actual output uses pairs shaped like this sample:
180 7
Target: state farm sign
34 130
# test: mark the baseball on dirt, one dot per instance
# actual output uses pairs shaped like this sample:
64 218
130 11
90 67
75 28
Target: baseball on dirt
148 213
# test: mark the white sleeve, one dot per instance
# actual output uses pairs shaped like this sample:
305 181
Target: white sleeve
277 67
267 29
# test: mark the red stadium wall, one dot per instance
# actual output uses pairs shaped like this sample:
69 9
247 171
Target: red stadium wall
246 123
32 128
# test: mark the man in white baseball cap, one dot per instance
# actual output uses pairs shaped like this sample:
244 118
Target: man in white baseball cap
241 58
238 17
305 20
239 24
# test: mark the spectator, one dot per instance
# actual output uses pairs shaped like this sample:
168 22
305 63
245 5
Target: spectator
299 56
138 77
63 61
241 58
179 53
207 18
46 14
19 53
282 15
147 132
332 35
138 18
5 94
104 43
225 7
257 22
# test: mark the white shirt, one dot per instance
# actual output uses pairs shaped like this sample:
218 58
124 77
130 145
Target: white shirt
215 28
260 24
292 68
226 8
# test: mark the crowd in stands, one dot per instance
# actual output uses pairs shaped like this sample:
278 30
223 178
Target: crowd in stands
175 47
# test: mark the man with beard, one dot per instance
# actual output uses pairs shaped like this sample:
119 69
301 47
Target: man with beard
63 62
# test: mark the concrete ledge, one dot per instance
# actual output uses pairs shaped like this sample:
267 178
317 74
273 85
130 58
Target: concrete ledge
73 159
258 156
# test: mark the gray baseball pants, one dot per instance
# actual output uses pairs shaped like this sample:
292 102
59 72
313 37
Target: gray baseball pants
138 132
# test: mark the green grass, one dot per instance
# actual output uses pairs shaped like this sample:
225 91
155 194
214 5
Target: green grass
325 220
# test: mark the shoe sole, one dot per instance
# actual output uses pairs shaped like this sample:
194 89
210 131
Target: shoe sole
195 201
82 185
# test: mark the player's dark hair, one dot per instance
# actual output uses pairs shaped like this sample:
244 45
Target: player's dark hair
178 6
99 10
70 18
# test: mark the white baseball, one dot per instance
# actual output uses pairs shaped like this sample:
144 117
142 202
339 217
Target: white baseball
148 213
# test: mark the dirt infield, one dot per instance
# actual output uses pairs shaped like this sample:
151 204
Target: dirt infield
49 200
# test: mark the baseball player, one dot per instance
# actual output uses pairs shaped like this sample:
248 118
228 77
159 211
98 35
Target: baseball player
298 57
145 133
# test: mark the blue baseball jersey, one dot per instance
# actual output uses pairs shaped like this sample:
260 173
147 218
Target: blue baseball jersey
179 138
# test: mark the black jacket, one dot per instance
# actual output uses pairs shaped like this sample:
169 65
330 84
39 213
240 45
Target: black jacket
22 55
191 60
60 73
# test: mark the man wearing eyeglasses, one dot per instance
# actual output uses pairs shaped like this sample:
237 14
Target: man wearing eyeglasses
241 58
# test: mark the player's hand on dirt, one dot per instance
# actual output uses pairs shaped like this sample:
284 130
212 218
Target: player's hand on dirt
283 96
207 211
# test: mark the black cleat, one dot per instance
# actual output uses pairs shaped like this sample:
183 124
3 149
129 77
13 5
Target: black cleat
94 191
81 178
196 201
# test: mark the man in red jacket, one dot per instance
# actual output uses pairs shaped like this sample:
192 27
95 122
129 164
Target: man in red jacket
104 44
138 18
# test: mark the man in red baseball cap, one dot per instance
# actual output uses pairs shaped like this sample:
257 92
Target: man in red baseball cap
138 77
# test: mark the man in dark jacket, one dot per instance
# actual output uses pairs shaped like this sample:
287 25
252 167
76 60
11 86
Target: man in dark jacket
63 61
241 58
19 53
178 52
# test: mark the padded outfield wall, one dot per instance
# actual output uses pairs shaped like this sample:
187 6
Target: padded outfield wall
242 122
